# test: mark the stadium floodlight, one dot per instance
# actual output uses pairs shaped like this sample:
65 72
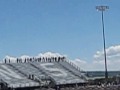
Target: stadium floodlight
102 9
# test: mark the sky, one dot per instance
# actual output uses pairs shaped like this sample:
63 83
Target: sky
68 27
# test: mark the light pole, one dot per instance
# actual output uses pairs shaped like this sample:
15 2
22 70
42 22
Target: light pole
102 9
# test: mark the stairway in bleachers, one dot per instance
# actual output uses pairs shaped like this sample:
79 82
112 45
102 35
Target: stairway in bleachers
46 75
16 69
27 69
31 72
15 78
73 69
60 74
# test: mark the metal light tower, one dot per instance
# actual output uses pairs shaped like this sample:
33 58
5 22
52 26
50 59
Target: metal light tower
102 9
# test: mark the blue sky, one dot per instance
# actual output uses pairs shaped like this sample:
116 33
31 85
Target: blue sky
71 27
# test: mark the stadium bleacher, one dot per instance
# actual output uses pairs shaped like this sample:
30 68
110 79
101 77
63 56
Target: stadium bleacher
60 74
36 73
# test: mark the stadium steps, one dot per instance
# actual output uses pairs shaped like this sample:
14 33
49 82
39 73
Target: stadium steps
57 80
47 76
11 65
11 68
14 82
74 69
70 78
38 75
27 69
41 81
71 71
44 71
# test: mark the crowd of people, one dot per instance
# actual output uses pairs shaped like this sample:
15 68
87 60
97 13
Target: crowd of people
40 59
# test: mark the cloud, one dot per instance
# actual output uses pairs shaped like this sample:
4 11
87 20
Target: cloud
113 59
98 62
10 58
85 65
112 52
50 54
80 63
25 56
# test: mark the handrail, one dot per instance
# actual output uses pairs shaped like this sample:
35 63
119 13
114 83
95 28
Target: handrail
76 67
70 70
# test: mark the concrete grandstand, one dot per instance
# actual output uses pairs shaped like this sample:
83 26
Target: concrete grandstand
41 72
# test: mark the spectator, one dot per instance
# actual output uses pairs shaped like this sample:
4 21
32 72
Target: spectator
9 60
5 60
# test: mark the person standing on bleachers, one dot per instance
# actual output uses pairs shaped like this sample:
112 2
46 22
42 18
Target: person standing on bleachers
9 60
5 60
59 59
17 60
